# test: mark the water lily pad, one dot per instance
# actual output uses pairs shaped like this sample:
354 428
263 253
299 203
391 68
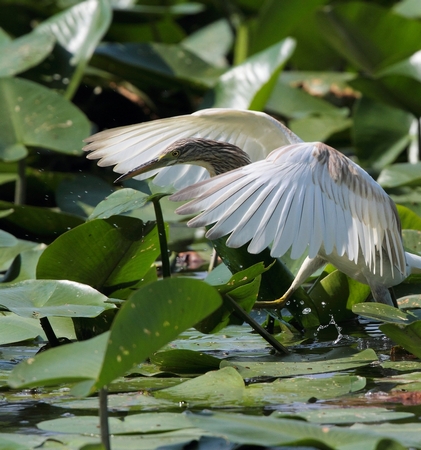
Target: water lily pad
110 255
139 423
119 202
185 361
24 52
220 387
43 298
37 116
350 415
408 434
408 336
268 431
302 389
285 368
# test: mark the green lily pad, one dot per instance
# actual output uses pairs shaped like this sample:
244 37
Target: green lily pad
268 431
385 313
110 255
43 298
408 336
350 415
400 174
249 85
119 202
409 219
37 116
287 368
156 65
11 247
165 309
133 337
407 434
77 31
185 361
24 52
81 194
380 132
336 294
224 387
348 29
138 423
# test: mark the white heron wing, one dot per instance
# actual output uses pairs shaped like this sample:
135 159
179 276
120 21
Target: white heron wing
128 147
304 196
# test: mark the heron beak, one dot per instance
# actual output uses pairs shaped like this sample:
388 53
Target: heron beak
153 164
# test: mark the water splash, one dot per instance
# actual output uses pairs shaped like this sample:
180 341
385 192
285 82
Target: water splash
338 329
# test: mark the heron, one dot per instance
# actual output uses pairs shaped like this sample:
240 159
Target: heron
304 197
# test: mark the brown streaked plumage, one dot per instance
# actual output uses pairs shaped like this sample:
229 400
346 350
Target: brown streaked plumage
216 157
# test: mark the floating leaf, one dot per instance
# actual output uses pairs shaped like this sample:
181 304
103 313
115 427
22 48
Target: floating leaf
224 387
268 431
349 415
43 298
184 361
137 423
133 337
301 366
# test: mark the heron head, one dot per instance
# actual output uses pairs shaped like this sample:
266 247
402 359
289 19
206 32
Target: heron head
215 156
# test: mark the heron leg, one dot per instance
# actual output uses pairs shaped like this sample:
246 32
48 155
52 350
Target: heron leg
309 266
382 294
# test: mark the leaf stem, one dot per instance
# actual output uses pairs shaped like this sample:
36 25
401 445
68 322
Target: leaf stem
103 418
257 327
49 332
20 187
166 267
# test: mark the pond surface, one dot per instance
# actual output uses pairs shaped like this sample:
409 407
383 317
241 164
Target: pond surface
352 384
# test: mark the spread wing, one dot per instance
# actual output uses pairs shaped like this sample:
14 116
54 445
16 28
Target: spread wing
130 146
304 196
